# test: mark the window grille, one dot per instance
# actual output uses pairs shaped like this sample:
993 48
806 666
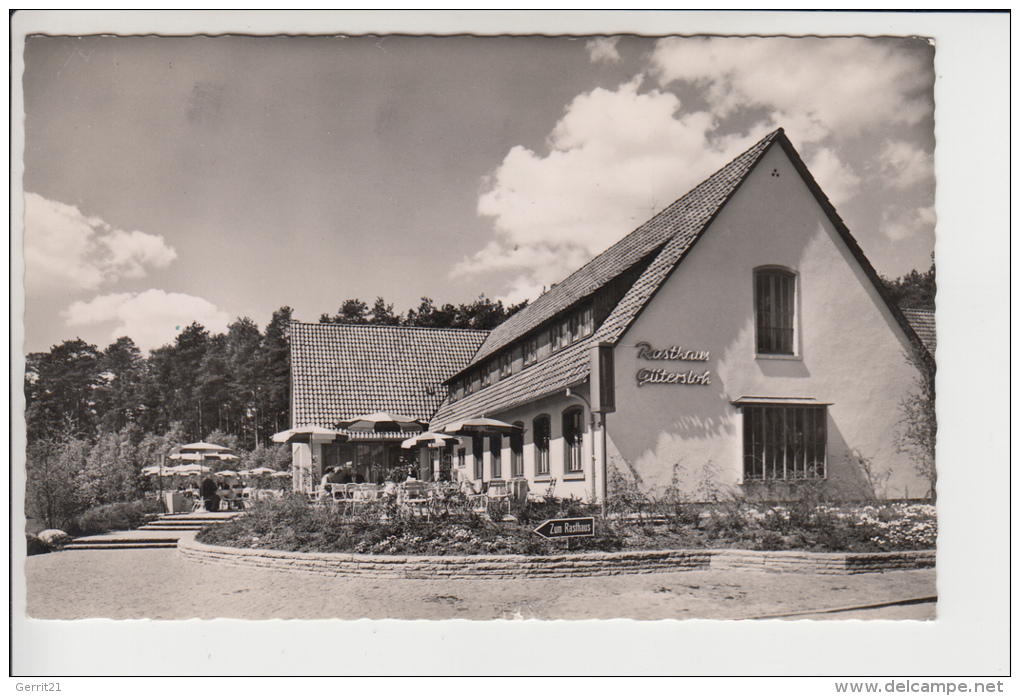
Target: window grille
774 303
784 443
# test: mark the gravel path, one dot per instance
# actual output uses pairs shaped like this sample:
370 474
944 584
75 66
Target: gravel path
160 584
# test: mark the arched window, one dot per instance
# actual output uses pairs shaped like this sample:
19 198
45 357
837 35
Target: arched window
517 450
573 437
541 427
774 304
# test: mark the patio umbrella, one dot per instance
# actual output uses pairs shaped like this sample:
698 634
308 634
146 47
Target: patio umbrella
200 451
191 469
226 472
430 440
260 471
280 474
382 422
305 433
479 426
199 457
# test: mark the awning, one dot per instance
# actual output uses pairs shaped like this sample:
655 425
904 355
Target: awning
779 401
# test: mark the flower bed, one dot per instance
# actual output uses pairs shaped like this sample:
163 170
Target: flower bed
294 525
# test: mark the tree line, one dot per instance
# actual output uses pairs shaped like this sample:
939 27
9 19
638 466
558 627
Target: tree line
94 418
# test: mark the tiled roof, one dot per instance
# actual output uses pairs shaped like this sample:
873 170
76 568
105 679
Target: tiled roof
674 230
923 321
685 217
560 370
692 216
342 370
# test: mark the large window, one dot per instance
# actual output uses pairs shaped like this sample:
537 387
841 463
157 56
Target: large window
774 302
477 447
541 428
784 442
495 456
517 450
573 432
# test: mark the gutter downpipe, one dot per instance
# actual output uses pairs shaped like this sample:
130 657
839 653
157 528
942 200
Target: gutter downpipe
605 466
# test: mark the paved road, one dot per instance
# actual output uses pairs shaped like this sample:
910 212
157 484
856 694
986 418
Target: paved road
160 584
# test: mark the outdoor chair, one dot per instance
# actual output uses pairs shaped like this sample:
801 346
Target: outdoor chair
412 496
497 493
364 496
267 495
518 490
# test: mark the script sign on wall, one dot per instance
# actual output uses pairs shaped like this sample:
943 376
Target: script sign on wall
645 351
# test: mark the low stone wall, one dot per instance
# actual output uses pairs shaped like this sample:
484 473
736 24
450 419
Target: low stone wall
566 565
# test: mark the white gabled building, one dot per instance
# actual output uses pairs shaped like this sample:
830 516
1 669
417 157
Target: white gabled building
739 339
743 339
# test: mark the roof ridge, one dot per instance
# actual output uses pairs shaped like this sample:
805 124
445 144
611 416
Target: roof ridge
649 238
388 326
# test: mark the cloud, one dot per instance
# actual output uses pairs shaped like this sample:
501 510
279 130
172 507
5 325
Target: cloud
824 85
67 250
602 49
151 318
837 179
901 223
618 156
904 165
615 159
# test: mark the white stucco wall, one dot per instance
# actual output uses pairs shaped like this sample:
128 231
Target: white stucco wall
577 485
850 350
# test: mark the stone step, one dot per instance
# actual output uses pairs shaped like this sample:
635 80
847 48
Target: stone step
107 547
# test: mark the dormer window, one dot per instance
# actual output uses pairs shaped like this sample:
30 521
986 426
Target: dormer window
505 364
582 324
554 337
531 351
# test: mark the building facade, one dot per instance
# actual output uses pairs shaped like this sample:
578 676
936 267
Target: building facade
737 341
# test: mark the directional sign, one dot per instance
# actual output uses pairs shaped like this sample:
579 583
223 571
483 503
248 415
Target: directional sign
567 527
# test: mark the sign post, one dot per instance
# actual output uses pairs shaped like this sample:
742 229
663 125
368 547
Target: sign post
567 527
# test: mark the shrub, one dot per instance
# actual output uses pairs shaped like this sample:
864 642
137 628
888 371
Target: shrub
292 524
35 545
113 517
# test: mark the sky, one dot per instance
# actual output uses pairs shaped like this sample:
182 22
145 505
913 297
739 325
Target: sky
173 180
